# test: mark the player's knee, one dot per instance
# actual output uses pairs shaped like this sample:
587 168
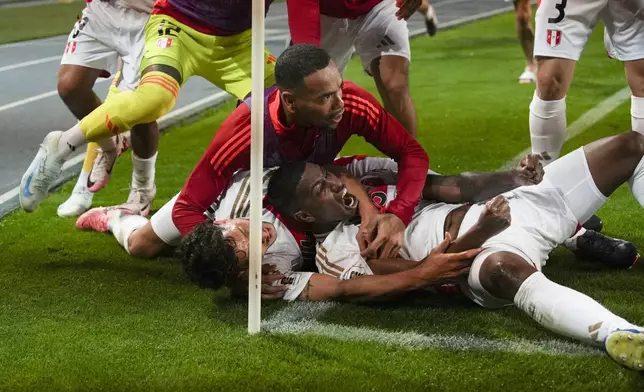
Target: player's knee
632 144
139 246
551 86
71 86
502 273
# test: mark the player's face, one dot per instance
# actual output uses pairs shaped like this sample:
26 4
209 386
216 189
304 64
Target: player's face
324 196
319 102
239 231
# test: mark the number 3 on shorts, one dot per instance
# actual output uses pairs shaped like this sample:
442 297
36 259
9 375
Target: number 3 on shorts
561 8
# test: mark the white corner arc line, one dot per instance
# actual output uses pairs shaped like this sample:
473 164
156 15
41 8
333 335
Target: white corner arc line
29 63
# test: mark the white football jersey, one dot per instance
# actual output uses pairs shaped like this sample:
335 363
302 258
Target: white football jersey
338 254
286 253
137 5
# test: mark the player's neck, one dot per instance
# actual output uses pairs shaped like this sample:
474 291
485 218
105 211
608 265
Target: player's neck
323 228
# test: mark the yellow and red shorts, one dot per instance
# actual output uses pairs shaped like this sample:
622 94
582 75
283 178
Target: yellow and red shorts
224 61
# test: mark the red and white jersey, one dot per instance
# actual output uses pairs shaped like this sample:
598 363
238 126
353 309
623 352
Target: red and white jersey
338 254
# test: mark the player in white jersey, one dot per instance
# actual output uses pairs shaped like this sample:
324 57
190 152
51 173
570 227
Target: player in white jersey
508 270
106 34
562 28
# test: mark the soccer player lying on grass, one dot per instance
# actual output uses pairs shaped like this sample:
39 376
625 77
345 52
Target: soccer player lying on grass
216 254
309 116
508 270
213 253
149 238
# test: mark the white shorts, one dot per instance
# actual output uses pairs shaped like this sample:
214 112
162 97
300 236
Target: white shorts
378 33
163 226
543 217
102 35
562 28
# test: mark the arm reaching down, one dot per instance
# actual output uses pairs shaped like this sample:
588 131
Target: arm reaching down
438 266
474 187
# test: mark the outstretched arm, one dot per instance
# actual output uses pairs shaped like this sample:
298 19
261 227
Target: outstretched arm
438 266
477 186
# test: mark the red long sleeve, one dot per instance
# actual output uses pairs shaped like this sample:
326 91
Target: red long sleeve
228 152
304 21
370 120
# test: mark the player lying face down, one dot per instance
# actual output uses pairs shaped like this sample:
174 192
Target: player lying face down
508 270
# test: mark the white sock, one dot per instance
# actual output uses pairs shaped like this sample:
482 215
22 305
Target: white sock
637 114
429 14
571 243
566 311
143 171
122 226
547 127
636 182
108 144
71 139
81 183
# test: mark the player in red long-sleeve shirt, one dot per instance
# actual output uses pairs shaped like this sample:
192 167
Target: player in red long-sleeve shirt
376 30
309 117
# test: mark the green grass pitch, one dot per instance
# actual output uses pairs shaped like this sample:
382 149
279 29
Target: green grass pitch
77 313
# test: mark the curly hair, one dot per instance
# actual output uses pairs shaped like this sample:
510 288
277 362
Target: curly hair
208 257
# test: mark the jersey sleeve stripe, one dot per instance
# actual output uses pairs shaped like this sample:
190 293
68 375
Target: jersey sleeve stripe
372 122
326 270
244 200
230 153
371 108
227 145
236 202
322 254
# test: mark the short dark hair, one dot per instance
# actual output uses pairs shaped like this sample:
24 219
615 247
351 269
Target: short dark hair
208 257
282 186
297 62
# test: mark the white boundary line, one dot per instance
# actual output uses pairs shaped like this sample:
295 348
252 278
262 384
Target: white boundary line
300 318
38 97
28 63
584 122
163 122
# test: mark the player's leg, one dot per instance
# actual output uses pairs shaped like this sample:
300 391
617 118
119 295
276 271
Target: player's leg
428 12
501 278
635 77
139 236
89 53
623 34
165 65
561 31
525 33
229 63
383 45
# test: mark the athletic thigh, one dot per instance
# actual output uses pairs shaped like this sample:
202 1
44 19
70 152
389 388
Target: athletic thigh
382 34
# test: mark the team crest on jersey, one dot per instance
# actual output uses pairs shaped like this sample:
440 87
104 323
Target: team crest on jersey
164 43
553 38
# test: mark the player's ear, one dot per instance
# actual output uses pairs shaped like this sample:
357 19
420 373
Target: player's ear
288 99
303 216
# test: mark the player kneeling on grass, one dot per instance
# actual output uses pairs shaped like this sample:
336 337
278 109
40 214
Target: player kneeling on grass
508 270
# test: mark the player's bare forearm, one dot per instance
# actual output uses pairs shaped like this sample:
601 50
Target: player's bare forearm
390 266
474 238
363 288
470 186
